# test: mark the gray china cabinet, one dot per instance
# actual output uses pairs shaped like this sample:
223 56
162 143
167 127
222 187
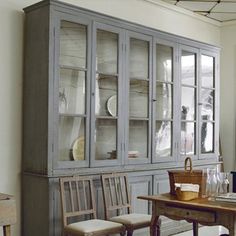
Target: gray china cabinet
105 95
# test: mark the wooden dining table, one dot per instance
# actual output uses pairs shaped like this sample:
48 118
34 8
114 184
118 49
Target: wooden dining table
201 210
7 213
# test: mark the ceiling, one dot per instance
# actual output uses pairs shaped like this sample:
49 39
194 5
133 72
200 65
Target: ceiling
221 10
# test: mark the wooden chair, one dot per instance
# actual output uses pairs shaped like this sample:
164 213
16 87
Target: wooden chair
77 198
117 200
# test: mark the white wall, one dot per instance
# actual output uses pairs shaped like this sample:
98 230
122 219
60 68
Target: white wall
11 25
154 13
11 63
227 100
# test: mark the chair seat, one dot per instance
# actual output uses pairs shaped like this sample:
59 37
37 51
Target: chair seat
133 220
93 227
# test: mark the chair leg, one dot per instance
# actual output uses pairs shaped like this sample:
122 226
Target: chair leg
129 232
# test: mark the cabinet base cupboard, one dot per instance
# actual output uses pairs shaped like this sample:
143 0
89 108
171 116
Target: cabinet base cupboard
105 95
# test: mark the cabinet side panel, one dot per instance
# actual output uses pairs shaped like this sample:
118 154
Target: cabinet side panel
36 206
35 120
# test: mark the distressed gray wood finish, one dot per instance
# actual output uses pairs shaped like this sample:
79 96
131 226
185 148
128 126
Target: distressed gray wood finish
36 92
119 123
138 186
38 212
41 88
41 165
57 164
175 101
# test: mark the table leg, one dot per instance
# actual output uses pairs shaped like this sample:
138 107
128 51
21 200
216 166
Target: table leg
232 227
232 232
155 222
195 228
155 226
6 230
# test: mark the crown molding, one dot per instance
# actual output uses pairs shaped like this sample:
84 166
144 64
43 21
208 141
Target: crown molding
228 23
183 11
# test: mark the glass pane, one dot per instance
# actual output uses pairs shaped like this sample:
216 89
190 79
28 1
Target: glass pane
164 63
139 58
188 103
73 44
72 90
107 52
71 138
187 138
207 64
163 138
207 111
188 68
138 98
207 134
106 95
105 139
164 101
138 133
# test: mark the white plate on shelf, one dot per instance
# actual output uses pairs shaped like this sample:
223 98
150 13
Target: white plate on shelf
78 149
112 105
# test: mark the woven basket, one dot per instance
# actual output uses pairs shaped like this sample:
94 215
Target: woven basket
188 175
186 195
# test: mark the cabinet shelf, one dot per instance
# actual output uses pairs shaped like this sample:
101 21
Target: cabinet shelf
139 78
107 117
106 75
209 88
193 121
139 118
210 121
165 82
73 68
189 85
71 115
164 120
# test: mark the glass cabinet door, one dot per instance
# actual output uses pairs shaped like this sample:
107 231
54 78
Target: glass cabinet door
163 102
138 74
188 117
207 104
72 93
106 90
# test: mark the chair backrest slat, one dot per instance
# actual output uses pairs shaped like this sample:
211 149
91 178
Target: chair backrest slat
71 197
84 193
77 197
121 192
115 184
79 213
110 191
127 192
92 199
116 191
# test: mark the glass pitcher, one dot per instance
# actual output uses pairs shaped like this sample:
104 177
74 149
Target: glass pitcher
211 183
224 182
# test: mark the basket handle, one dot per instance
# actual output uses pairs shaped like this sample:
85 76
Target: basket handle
188 159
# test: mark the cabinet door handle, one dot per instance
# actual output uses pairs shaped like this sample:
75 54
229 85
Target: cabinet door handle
154 100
